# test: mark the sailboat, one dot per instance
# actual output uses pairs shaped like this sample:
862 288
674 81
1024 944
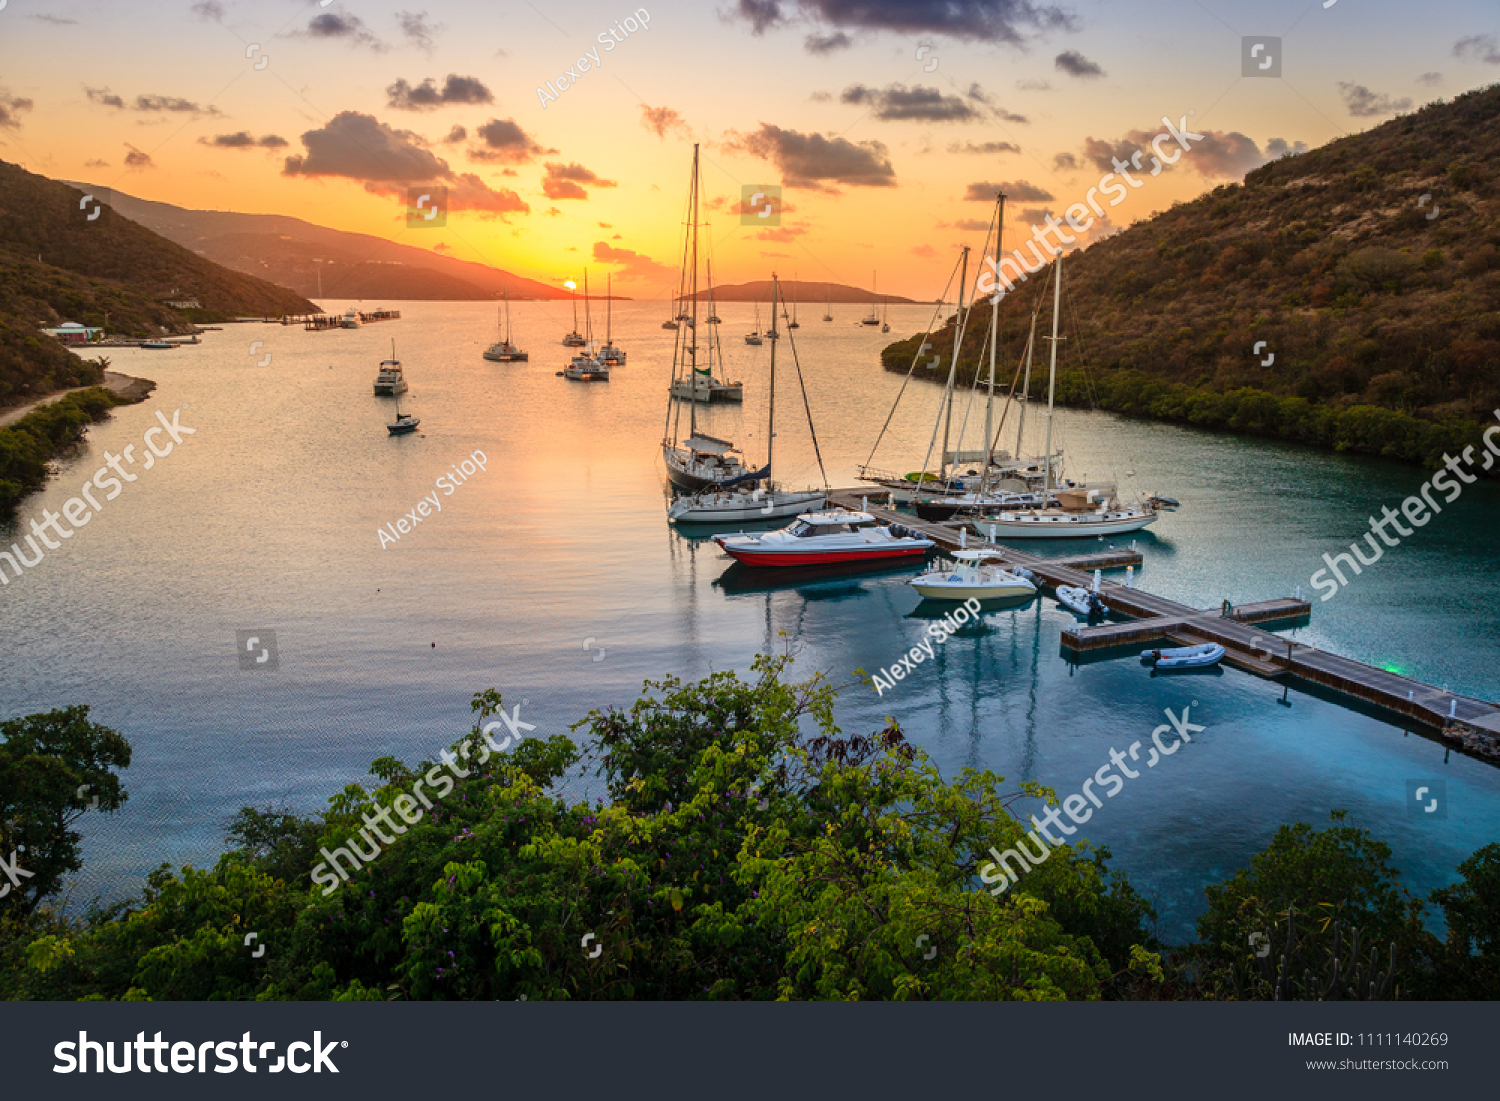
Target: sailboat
874 318
586 367
504 351
403 424
828 309
575 339
699 461
792 324
754 337
608 355
769 503
885 312
1081 511
700 384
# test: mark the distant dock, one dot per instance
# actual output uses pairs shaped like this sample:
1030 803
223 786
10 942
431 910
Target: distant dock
1473 725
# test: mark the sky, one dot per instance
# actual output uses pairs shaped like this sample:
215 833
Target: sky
557 135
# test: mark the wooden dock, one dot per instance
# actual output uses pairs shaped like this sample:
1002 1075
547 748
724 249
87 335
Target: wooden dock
1472 724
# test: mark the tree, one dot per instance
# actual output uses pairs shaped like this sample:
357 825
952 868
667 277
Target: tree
1471 962
54 768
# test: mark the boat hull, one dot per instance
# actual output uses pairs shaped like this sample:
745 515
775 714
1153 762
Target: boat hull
506 357
742 512
937 590
760 556
389 390
1004 530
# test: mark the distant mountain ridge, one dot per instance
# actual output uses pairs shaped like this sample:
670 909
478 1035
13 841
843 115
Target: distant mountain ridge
287 251
100 270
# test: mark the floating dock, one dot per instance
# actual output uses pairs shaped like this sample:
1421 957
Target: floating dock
1473 725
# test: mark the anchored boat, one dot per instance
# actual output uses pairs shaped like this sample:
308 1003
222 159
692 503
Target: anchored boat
831 537
975 574
389 380
1184 657
504 351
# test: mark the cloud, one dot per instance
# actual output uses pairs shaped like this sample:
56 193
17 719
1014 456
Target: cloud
633 265
208 9
968 20
342 25
1222 154
9 105
172 104
455 135
778 255
604 225
567 181
1280 147
1018 191
104 97
827 43
360 147
1034 217
741 206
1066 162
659 120
927 252
810 160
986 149
137 159
897 103
55 20
1431 80
505 143
1033 85
968 225
417 29
1363 103
783 234
552 212
244 140
1478 47
428 96
1075 64
96 163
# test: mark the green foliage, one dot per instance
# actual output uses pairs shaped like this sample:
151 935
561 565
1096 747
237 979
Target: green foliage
52 768
27 445
1471 961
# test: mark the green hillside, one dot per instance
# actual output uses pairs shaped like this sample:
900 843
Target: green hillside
1380 310
108 272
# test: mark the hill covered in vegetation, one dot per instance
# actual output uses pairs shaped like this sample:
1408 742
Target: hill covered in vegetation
57 265
1348 296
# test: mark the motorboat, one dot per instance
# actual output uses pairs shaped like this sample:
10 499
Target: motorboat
706 462
1081 601
403 423
504 351
744 504
830 537
1164 504
976 574
669 324
1184 657
157 345
389 380
351 319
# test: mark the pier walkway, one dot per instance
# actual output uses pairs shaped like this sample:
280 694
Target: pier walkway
1471 723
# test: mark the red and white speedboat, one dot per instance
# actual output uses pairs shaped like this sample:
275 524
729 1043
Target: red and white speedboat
827 538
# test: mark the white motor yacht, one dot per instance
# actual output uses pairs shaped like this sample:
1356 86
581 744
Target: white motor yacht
974 574
831 537
389 381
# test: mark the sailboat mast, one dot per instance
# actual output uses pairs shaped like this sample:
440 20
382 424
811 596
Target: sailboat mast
989 405
575 308
958 331
771 411
1026 386
507 313
693 321
609 307
1052 370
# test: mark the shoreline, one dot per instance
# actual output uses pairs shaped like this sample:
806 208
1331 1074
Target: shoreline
128 389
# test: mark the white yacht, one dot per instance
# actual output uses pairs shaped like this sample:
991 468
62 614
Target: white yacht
351 318
833 537
974 574
389 380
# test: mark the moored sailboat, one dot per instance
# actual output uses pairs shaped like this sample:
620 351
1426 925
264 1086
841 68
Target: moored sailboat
504 351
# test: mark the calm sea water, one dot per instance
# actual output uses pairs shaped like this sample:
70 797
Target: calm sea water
554 576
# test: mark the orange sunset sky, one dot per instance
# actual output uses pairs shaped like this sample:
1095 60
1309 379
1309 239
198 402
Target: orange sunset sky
889 125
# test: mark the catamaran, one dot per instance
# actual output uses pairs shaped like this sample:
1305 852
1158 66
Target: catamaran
769 503
586 367
699 461
504 351
575 339
608 355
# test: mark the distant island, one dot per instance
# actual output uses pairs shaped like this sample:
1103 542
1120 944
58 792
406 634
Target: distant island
794 290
